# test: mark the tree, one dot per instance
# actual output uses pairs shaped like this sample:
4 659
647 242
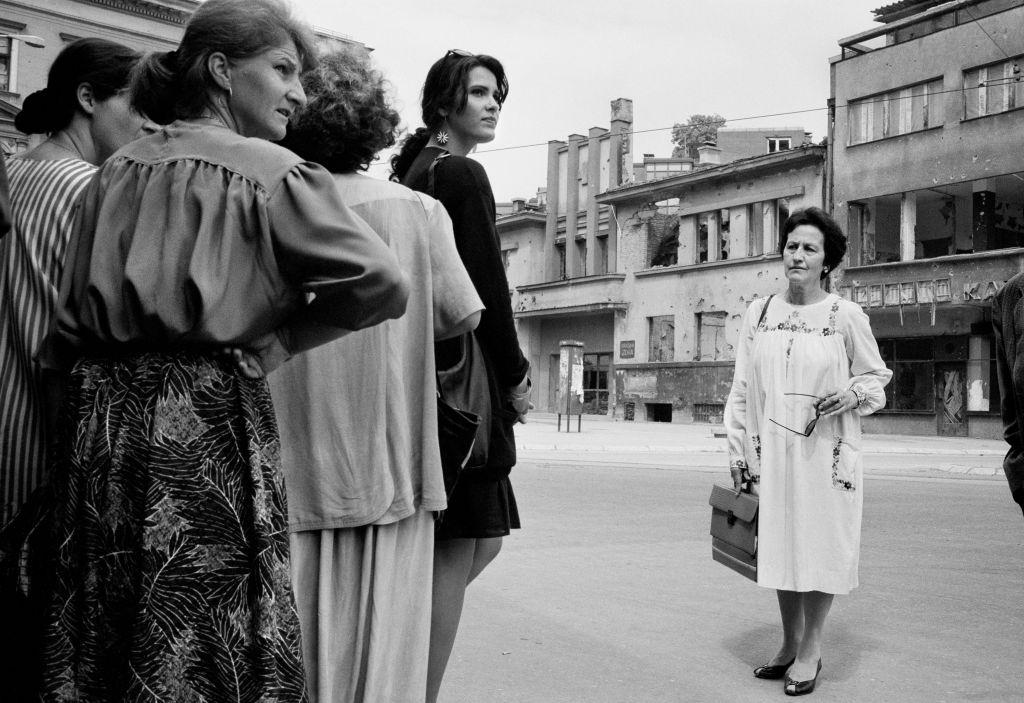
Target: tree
697 130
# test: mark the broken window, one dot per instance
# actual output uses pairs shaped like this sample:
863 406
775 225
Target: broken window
703 223
994 88
664 235
711 336
912 362
960 218
901 111
662 341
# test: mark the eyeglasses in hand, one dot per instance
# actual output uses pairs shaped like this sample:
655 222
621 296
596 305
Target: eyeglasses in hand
810 425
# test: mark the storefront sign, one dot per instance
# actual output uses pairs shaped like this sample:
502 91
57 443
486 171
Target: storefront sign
940 290
627 349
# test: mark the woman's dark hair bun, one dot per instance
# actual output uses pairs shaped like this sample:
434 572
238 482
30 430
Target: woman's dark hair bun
40 114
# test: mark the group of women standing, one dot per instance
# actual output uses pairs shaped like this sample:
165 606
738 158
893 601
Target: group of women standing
158 292
143 306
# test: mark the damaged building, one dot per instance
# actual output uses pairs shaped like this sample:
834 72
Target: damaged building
650 264
927 176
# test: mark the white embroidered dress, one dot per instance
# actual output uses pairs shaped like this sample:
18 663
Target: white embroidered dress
810 487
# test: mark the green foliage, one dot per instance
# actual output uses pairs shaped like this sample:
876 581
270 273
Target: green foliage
695 131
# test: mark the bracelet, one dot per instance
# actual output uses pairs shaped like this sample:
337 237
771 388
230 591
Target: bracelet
861 395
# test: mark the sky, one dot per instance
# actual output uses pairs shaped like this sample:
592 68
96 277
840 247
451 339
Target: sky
567 60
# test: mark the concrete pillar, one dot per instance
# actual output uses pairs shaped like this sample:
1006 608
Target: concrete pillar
573 262
551 214
621 138
594 264
908 226
770 222
687 251
714 237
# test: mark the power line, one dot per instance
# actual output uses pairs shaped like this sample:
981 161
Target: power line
856 103
993 39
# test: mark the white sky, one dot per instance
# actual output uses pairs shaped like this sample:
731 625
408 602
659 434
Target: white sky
568 59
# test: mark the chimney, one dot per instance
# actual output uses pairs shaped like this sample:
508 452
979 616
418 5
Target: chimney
709 155
518 204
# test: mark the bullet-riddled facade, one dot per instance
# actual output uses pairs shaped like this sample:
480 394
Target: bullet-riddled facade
928 179
660 261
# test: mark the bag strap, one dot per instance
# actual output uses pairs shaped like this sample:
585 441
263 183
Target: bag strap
764 311
430 173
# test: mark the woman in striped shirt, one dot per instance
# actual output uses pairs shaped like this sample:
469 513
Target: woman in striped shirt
85 111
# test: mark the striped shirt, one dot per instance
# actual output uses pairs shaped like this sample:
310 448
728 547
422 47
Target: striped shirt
44 196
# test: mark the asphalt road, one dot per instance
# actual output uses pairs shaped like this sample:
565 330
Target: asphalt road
609 593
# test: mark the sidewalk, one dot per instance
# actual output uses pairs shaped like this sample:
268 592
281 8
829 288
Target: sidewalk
602 434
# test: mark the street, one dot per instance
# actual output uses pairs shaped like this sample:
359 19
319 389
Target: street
609 592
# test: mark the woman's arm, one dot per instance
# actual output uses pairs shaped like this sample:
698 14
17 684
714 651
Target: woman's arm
462 187
736 405
351 277
868 374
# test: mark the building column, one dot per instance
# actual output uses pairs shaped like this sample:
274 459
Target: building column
594 264
714 237
908 226
621 143
551 214
573 262
686 253
984 216
770 226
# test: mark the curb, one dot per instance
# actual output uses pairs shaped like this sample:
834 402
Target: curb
711 449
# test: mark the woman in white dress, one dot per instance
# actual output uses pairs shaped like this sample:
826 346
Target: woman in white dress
807 370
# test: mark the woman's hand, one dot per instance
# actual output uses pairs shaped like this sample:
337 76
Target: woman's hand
519 399
837 402
246 362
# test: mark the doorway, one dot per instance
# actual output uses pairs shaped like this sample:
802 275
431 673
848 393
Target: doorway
951 399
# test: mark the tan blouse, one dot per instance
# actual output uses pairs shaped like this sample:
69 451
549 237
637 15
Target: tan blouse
198 236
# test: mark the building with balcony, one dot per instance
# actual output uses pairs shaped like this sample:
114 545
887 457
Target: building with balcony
651 264
561 258
926 172
146 25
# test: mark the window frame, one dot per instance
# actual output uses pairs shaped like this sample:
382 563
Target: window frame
894 113
1007 88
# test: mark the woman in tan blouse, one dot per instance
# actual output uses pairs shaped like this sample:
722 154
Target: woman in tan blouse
171 577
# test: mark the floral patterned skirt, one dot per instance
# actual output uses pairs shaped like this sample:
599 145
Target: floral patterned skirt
171 573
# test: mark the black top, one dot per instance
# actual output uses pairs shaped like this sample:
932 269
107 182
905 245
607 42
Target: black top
462 186
1007 311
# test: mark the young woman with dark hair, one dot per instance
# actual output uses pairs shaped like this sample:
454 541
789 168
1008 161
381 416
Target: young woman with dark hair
462 99
84 111
171 577
362 503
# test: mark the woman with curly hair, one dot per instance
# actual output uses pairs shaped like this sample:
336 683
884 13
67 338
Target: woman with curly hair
358 419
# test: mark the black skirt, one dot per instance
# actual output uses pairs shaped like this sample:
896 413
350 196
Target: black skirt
479 508
171 576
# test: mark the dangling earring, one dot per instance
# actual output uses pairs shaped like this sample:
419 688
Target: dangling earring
441 136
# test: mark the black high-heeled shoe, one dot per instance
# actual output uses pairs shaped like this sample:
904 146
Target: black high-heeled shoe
800 688
773 671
